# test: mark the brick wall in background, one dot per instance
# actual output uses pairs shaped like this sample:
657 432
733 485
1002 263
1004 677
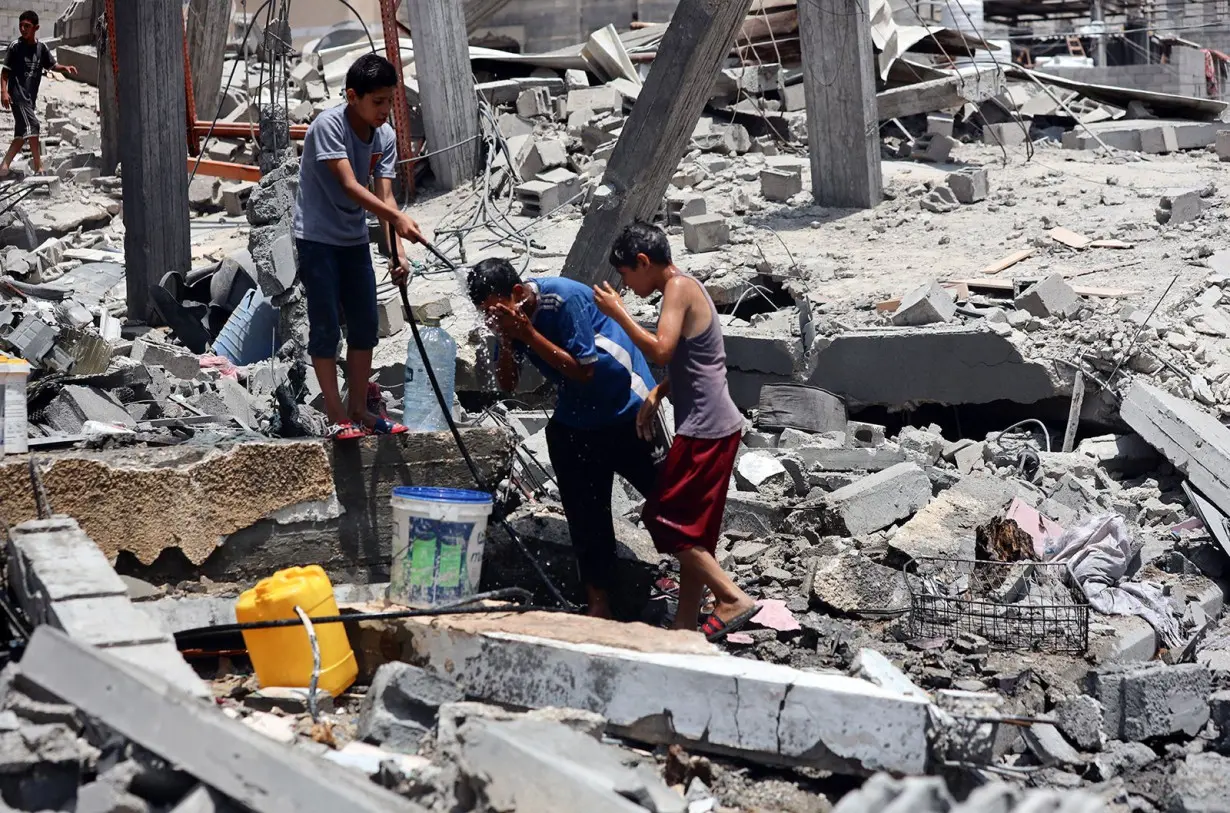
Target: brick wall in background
47 10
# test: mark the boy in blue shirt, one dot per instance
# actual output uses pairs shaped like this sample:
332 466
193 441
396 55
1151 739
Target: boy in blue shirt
603 380
344 149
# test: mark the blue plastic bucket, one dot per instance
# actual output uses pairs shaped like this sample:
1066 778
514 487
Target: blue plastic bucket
438 538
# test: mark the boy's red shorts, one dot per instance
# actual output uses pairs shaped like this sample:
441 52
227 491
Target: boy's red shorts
686 509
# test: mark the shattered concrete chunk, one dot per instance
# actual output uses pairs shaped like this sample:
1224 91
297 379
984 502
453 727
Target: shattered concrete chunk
969 185
849 584
703 233
877 501
779 186
1179 206
1080 720
925 305
946 526
941 199
400 707
1052 296
1142 701
763 474
1122 758
75 405
1199 784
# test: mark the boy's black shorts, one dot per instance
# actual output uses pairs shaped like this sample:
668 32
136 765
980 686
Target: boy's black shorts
25 120
339 281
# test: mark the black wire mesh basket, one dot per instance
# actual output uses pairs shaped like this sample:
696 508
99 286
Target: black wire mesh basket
1027 605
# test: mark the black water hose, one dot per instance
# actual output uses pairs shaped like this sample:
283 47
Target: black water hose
447 410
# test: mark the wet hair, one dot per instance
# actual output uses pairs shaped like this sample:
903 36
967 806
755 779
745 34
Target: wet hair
30 17
494 276
369 73
640 238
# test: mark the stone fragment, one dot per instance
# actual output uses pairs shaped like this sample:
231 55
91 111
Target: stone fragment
205 194
940 200
877 501
1052 296
1122 758
1179 206
1198 784
400 707
747 552
534 102
849 584
865 435
969 185
779 186
1049 746
763 474
1143 701
925 305
1080 720
75 405
1008 134
703 233
923 446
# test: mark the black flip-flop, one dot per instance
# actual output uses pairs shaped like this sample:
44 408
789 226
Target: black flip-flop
715 629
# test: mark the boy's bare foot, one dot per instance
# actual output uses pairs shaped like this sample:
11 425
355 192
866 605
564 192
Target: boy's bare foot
5 171
599 604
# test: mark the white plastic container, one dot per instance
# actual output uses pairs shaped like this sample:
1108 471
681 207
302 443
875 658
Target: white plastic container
13 420
438 540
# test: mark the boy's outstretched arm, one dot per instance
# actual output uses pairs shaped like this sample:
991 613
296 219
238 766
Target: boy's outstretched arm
400 273
659 348
401 222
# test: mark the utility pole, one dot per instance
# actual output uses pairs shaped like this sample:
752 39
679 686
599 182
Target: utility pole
149 38
658 131
446 88
843 130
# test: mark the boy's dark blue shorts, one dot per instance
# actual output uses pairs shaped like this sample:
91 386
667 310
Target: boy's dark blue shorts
25 120
339 281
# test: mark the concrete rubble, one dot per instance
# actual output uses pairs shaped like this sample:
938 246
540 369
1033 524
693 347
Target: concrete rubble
1029 336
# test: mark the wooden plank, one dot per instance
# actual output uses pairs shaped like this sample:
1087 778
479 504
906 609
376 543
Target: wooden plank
1007 262
842 119
446 88
150 45
223 169
1069 238
1006 286
197 738
658 131
1111 244
1074 412
960 292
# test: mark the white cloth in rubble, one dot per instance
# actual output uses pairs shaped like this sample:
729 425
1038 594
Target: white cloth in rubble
1098 552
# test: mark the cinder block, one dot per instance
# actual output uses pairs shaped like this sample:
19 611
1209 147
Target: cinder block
679 206
970 185
1179 206
939 124
549 191
936 148
1052 296
794 97
599 99
178 363
534 102
391 317
780 186
1223 145
1009 134
542 155
235 197
877 501
1143 701
705 233
925 305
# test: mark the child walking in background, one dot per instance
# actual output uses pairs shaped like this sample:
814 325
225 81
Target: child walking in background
684 514
20 78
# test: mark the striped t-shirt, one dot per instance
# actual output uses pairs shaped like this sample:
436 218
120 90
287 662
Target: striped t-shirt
567 316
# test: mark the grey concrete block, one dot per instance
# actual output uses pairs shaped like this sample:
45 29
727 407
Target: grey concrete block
850 583
1080 720
1049 746
1052 296
542 155
754 349
106 621
925 305
779 186
705 232
1198 784
877 501
401 705
75 405
969 185
940 124
864 435
1179 206
939 200
1009 134
1142 701
1223 145
534 102
751 513
871 458
1159 140
179 363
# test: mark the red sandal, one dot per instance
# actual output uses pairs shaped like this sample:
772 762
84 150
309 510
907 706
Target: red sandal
715 629
346 430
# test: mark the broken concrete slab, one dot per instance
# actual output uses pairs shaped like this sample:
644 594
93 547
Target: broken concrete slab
1198 784
540 765
74 405
1179 206
877 501
945 527
707 232
400 707
871 459
1194 441
893 366
762 474
753 710
852 584
1143 701
969 185
1052 296
1080 719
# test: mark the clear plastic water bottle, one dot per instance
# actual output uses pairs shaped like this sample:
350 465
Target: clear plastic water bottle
421 409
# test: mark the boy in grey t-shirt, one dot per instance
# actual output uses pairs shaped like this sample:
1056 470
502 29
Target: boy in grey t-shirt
345 148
